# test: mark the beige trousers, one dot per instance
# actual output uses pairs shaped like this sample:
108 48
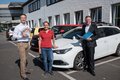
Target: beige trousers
23 51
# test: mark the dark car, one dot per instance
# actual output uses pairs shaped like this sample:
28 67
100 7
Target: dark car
59 29
34 40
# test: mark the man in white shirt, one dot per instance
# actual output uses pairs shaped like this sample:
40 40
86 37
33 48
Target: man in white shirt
22 34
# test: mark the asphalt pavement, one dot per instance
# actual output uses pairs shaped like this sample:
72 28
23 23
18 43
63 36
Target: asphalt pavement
107 68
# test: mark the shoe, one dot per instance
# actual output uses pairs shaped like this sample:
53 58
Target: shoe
51 73
25 78
92 73
45 73
28 72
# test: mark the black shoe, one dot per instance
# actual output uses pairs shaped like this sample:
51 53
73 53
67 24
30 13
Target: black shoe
92 73
25 78
28 72
51 73
45 73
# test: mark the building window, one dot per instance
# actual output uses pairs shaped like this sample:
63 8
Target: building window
57 19
29 24
15 18
34 6
96 14
33 24
67 18
116 14
50 2
38 4
40 22
79 17
50 20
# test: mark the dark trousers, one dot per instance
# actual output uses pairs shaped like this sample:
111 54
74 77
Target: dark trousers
89 58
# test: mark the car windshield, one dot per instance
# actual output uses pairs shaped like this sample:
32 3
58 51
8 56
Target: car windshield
72 33
62 29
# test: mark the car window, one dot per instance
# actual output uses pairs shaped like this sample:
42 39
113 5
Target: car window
101 32
57 29
67 28
111 31
75 33
115 31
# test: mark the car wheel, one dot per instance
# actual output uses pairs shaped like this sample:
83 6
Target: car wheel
78 62
118 51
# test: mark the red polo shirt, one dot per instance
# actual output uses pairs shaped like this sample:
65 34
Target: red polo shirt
46 38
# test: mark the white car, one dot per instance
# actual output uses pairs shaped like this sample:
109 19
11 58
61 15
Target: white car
69 53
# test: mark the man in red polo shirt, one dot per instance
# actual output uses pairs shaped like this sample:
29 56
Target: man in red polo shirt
46 38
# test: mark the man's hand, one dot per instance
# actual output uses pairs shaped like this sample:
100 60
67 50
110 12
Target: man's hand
89 39
24 32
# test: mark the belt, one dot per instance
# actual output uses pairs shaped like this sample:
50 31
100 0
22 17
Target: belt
23 42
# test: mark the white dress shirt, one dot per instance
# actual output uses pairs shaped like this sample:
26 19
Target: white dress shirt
87 28
17 34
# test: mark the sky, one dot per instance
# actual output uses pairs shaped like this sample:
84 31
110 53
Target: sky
8 1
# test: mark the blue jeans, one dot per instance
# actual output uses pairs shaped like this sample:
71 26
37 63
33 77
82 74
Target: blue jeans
47 55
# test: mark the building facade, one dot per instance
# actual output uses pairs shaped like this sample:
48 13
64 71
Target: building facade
9 14
71 11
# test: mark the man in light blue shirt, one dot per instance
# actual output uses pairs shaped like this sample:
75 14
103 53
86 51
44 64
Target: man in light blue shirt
22 34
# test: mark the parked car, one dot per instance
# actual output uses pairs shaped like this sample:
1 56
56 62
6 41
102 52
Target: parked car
58 30
34 40
9 33
61 29
69 53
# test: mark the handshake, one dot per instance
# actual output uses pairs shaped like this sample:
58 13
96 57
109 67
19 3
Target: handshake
26 32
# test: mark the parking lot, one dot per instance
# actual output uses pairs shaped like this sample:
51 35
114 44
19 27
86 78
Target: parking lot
107 68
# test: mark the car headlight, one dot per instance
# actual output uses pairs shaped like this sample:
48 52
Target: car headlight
62 51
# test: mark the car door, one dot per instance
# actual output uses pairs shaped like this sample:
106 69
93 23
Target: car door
102 44
113 35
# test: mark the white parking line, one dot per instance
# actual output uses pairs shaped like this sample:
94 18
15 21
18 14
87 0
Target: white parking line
32 55
70 72
107 61
13 43
66 75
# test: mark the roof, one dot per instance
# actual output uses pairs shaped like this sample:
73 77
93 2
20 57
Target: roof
4 5
70 25
16 4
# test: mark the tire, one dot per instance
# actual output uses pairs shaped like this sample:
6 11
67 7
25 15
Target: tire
118 51
78 62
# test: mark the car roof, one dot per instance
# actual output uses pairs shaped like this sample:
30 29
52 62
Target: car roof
70 25
107 26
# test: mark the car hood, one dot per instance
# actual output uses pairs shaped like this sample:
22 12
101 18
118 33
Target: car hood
64 43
